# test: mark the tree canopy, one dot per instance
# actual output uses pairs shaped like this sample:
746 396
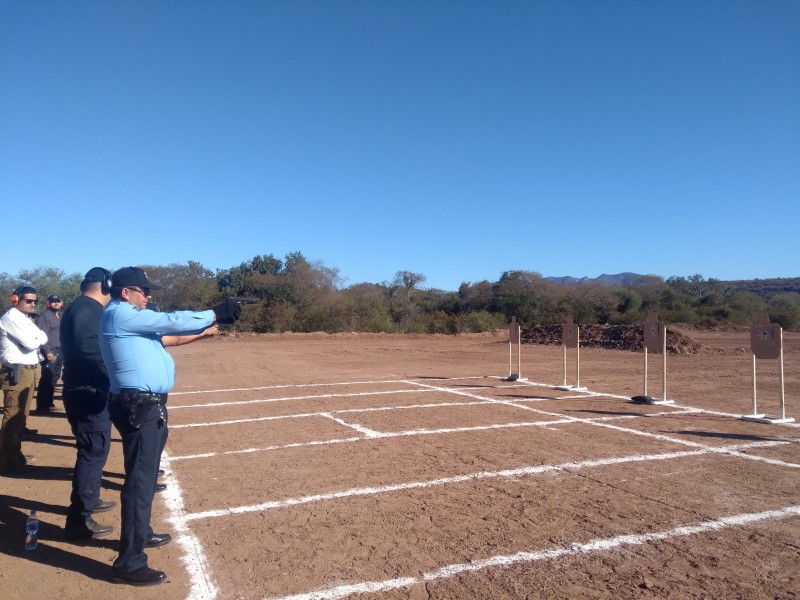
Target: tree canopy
297 294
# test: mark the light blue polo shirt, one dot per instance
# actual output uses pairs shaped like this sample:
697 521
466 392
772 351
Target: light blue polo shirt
130 341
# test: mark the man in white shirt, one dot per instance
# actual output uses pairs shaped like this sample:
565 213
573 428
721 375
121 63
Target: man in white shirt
20 340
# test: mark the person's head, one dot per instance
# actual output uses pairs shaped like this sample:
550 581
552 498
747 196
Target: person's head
54 303
24 299
130 284
97 284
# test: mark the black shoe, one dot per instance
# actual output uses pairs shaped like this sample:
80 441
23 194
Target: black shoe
143 576
160 472
87 530
41 411
160 487
103 506
27 434
158 539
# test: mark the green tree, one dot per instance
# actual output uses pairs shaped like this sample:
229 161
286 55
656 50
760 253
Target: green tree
785 310
184 287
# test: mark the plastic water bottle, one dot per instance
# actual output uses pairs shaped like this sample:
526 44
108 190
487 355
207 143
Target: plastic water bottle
31 531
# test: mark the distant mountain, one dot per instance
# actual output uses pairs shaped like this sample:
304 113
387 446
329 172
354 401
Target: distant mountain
766 288
618 279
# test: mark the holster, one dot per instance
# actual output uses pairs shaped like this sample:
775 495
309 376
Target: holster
136 405
14 374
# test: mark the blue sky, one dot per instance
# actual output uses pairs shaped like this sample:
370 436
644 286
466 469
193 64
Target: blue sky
457 139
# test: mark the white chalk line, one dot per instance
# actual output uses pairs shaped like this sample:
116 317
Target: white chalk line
599 422
304 385
360 428
202 585
329 412
310 397
596 422
194 559
415 432
676 405
504 473
290 398
508 560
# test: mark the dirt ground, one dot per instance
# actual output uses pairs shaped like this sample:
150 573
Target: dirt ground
405 467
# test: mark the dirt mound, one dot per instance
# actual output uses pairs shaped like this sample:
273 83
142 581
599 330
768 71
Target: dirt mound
612 337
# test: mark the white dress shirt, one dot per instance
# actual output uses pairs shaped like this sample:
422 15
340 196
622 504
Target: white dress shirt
20 339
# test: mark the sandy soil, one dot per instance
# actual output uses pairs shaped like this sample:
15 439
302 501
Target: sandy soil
404 467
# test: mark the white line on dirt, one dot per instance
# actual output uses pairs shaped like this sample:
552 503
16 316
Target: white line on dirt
302 385
518 472
370 433
676 405
289 398
597 545
194 559
596 422
599 423
253 420
411 432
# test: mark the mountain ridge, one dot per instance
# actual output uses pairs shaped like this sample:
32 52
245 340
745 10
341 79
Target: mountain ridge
766 288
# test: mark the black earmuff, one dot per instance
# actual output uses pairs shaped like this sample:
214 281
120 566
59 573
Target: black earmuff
107 283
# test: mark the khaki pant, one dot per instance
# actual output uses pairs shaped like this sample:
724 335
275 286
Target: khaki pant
17 401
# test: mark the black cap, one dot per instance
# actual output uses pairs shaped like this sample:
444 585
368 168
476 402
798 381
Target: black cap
53 298
133 276
95 275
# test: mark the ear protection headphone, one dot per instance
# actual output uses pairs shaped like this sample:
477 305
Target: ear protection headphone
15 297
107 283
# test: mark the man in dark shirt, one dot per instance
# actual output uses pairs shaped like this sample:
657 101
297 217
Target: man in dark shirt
85 396
49 322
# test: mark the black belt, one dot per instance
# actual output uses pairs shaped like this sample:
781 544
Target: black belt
155 398
12 366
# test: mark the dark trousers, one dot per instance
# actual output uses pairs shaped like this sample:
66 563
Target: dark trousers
142 450
93 450
91 426
51 372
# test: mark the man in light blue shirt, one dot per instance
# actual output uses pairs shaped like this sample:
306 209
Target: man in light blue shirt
133 342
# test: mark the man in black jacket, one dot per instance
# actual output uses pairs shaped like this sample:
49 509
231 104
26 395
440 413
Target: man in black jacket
86 403
50 323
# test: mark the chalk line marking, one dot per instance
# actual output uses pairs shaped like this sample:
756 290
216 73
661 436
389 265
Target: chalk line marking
370 433
684 406
194 559
409 433
507 560
664 438
518 472
289 398
303 385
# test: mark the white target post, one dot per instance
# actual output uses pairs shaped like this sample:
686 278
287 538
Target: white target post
514 340
766 342
655 340
571 338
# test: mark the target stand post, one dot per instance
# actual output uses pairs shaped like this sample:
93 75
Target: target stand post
571 338
514 339
766 342
655 339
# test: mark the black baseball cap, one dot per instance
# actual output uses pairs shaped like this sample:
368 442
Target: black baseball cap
95 275
53 298
133 276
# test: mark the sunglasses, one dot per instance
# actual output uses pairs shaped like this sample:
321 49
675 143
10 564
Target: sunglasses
28 301
143 291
